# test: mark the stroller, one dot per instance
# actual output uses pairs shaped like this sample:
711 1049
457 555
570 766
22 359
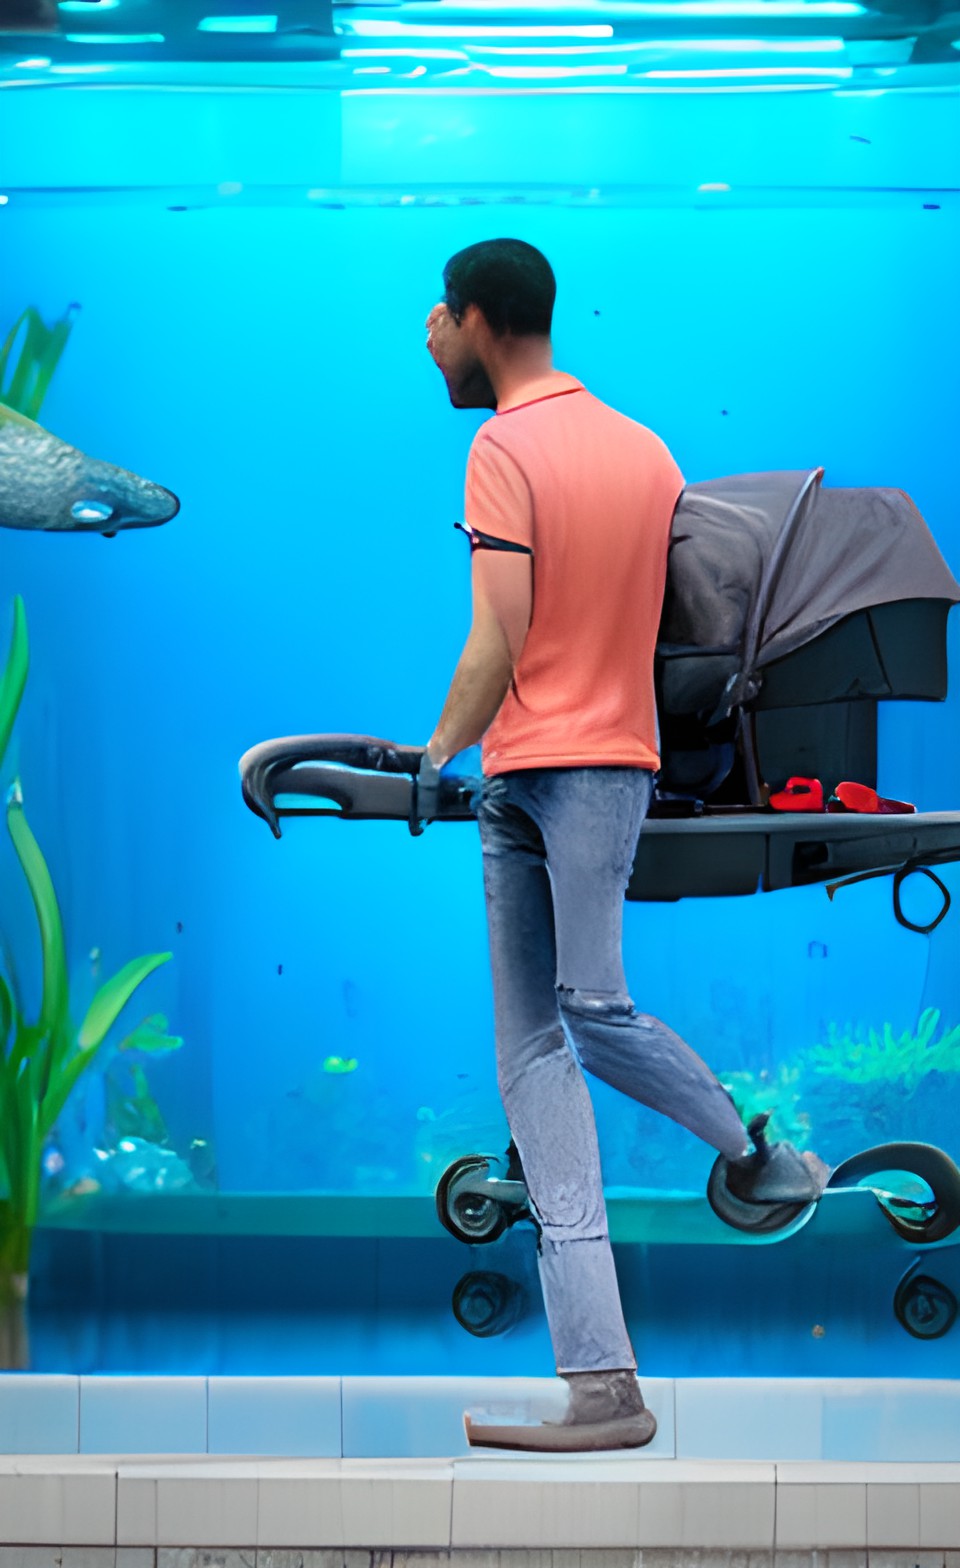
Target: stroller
790 611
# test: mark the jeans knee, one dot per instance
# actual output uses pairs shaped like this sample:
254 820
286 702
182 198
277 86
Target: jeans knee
538 1051
602 1007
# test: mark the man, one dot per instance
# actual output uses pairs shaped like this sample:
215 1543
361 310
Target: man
568 510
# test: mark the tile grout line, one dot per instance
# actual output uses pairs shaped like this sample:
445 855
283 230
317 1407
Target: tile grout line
776 1500
453 1478
256 1523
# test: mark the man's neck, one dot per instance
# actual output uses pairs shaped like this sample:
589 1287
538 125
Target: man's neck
529 388
513 364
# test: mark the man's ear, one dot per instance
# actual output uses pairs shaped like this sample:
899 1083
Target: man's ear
474 321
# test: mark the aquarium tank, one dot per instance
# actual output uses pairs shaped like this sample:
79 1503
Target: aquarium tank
237 1069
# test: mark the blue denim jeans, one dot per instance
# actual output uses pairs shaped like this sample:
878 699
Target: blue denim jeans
558 849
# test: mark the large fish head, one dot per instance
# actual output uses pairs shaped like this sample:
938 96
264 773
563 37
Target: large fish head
104 499
47 484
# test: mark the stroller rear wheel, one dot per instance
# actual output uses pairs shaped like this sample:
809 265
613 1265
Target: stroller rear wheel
469 1215
755 1219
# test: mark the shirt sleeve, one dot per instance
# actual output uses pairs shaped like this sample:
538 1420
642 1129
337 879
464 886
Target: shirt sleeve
498 502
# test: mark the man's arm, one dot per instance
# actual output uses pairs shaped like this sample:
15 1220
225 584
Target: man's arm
502 607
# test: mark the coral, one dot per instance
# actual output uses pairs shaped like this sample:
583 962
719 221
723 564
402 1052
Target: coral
885 1069
863 1055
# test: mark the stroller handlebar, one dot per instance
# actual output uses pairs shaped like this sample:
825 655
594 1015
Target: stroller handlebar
363 775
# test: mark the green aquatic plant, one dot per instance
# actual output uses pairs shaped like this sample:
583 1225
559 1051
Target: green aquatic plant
14 677
40 350
778 1092
860 1054
132 1111
41 1060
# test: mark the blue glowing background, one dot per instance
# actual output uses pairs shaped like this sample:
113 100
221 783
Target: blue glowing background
261 352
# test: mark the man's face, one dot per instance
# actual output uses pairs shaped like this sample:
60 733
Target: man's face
452 347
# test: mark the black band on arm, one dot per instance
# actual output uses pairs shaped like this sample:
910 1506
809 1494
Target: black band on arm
479 541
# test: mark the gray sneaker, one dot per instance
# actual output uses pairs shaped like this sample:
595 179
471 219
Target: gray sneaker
606 1411
775 1172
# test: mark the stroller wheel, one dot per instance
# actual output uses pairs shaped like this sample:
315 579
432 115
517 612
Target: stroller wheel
470 1216
925 1307
487 1304
754 1219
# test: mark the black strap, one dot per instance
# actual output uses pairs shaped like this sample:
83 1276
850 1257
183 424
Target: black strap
898 880
479 541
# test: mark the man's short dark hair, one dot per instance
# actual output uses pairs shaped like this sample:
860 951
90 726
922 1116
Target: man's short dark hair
511 282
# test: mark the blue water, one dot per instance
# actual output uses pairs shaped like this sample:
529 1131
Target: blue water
280 1306
262 354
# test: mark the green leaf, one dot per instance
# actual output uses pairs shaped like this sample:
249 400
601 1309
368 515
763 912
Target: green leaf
47 361
18 1126
9 341
25 1042
151 1036
61 1088
6 1017
16 391
14 1072
53 1007
102 1013
14 677
38 357
113 997
23 1178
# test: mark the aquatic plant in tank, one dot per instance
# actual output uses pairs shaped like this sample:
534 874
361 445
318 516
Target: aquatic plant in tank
41 1058
848 1080
33 364
859 1070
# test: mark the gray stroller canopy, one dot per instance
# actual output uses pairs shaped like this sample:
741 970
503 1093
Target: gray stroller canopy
763 564
789 612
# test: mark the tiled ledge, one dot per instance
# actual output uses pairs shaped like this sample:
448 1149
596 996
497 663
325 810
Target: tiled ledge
482 1504
511 1557
762 1419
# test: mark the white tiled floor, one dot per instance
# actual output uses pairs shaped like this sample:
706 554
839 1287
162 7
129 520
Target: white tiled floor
781 1487
761 1419
296 1416
478 1504
68 1499
128 1415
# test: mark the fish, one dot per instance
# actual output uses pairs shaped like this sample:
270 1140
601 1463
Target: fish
46 484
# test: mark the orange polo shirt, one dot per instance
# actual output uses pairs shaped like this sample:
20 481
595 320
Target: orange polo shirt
591 494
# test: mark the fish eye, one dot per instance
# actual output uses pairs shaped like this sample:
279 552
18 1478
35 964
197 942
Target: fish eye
91 511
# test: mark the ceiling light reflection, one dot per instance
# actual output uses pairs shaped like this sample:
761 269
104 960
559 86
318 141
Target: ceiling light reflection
237 24
114 38
842 71
378 29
